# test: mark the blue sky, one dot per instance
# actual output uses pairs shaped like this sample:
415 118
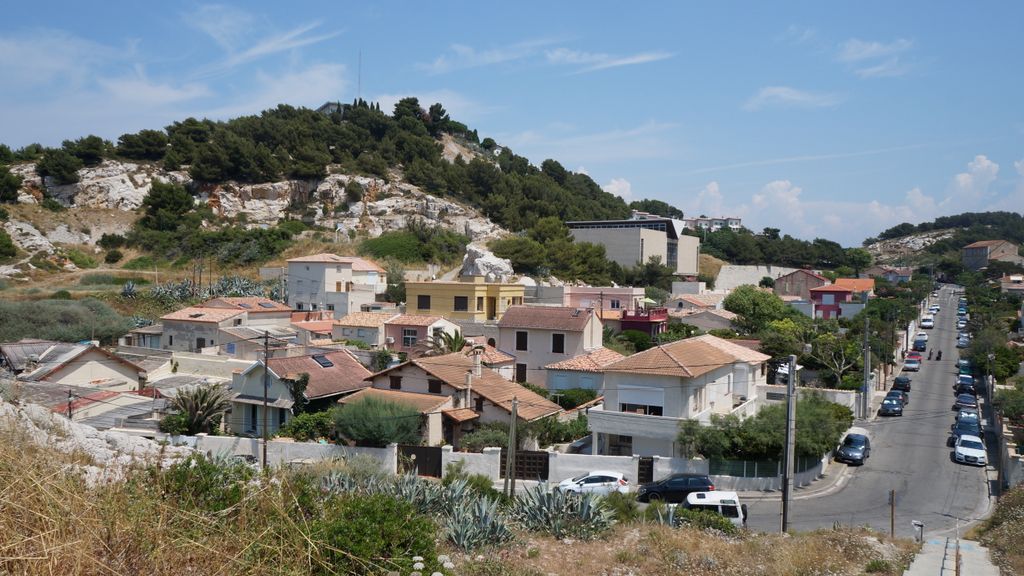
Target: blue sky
822 119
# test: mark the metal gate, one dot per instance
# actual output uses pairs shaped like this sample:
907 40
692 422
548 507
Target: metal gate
645 470
530 465
424 460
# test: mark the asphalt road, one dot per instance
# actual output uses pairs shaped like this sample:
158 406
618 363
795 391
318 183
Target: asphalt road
909 455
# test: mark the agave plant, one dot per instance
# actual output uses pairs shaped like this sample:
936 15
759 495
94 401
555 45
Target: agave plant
202 405
128 290
561 514
475 523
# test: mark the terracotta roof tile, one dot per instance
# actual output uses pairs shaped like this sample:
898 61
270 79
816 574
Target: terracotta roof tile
686 358
197 314
546 318
985 243
592 361
318 326
365 319
831 288
461 414
252 304
413 320
345 374
452 368
811 273
857 284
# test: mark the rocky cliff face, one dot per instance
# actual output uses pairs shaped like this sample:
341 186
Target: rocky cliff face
387 206
898 249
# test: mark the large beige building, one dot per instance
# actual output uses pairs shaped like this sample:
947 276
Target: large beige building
634 241
330 282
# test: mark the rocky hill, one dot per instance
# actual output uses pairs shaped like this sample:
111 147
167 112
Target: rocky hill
906 249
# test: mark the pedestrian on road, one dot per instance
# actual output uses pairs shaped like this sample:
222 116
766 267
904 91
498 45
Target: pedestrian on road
938 355
929 354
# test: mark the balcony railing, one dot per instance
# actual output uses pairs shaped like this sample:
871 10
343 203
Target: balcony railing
646 315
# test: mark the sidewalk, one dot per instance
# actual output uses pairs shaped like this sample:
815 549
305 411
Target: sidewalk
938 558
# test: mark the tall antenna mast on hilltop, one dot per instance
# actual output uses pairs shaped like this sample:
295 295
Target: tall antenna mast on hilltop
359 82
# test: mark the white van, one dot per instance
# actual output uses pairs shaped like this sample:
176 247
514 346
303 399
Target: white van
725 503
928 322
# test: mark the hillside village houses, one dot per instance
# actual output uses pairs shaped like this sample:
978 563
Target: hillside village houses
648 394
542 335
337 283
978 255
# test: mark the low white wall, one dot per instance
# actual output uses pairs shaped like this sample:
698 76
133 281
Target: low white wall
207 365
279 452
562 466
487 463
769 483
667 466
846 398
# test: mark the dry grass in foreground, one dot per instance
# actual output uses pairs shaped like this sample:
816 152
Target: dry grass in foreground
1003 532
650 550
51 522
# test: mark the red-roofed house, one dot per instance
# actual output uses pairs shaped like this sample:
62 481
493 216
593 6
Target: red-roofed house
648 394
798 283
331 282
583 371
827 300
259 311
331 375
542 335
405 332
858 285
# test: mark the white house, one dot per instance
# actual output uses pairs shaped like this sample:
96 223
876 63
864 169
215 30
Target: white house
367 327
84 365
583 371
542 335
331 282
648 394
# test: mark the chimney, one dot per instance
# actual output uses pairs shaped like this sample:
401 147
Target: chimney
469 389
476 364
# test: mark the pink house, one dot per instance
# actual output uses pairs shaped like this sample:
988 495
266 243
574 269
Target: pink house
404 332
651 321
828 299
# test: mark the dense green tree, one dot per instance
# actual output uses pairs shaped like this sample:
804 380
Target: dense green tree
203 406
858 259
6 154
165 205
756 308
554 170
60 165
374 422
144 145
7 247
9 185
90 150
656 207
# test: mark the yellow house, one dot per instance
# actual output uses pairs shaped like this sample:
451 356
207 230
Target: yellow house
471 299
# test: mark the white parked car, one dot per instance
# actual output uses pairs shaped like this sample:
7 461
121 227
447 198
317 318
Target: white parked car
970 450
601 482
725 503
921 336
927 322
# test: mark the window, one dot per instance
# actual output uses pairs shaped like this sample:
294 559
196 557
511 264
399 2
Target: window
641 409
170 339
520 373
423 302
461 304
396 382
337 287
409 337
230 348
322 361
522 340
558 343
436 333
479 407
360 332
299 306
330 306
517 300
479 303
253 414
615 304
434 386
238 321
281 417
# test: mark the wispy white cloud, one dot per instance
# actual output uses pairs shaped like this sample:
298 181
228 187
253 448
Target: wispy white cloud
461 56
593 61
138 88
875 59
855 50
788 97
320 82
619 187
796 34
572 147
289 40
43 56
805 158
228 26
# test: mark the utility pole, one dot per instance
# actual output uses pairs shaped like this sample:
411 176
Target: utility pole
866 389
787 473
510 452
69 403
266 386
892 513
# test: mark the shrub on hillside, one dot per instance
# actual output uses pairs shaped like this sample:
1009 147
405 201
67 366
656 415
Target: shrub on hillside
111 241
206 484
81 259
113 257
371 534
7 247
61 320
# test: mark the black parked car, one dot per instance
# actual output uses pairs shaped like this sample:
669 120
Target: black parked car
674 488
901 383
900 395
964 428
965 401
855 449
966 389
891 407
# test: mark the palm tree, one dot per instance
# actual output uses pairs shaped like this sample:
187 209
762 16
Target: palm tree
444 343
202 406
